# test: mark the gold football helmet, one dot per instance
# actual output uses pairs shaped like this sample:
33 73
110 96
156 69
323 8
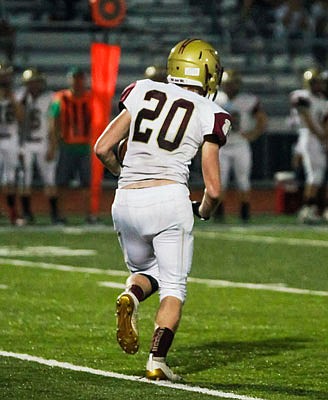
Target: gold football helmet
194 62
32 75
156 73
309 76
231 75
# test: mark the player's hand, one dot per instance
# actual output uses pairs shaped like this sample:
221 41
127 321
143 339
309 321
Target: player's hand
195 209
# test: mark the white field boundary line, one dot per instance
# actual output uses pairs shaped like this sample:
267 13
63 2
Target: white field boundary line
263 239
111 272
99 372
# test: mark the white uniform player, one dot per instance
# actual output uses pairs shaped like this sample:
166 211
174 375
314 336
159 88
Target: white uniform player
36 101
166 124
169 154
308 107
35 144
248 123
324 188
9 142
10 116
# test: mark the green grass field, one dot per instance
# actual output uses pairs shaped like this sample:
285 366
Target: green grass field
255 323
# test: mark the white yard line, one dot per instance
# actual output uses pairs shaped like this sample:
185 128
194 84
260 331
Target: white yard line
104 228
113 285
44 251
258 286
3 286
99 372
209 282
219 283
246 237
60 267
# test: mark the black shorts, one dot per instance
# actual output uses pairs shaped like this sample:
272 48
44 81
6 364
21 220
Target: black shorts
73 164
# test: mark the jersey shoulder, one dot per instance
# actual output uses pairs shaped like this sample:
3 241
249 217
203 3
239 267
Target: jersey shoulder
300 97
214 107
217 121
221 98
299 93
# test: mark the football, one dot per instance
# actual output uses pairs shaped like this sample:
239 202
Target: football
121 149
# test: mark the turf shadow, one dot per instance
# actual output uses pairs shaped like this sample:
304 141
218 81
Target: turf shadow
220 353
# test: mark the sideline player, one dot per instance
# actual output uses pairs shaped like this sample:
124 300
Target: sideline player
166 123
11 115
70 123
323 191
249 121
308 106
36 146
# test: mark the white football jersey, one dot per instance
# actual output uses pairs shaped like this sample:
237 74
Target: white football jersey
317 106
35 127
9 137
168 125
241 108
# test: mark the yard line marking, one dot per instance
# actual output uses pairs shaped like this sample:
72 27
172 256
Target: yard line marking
210 282
104 228
3 286
109 374
43 251
258 286
264 239
60 267
220 283
114 285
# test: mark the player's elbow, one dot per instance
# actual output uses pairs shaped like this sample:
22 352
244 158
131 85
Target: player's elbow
100 149
96 149
213 192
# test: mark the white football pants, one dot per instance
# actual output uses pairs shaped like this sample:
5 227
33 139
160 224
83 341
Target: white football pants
154 227
238 158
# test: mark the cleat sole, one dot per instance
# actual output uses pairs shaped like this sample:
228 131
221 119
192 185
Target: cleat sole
127 337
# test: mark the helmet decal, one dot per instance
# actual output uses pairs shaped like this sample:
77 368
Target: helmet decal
184 44
194 62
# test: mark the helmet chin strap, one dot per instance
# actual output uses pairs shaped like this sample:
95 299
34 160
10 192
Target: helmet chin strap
214 95
211 96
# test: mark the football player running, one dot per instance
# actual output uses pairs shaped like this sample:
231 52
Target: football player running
166 124
249 121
